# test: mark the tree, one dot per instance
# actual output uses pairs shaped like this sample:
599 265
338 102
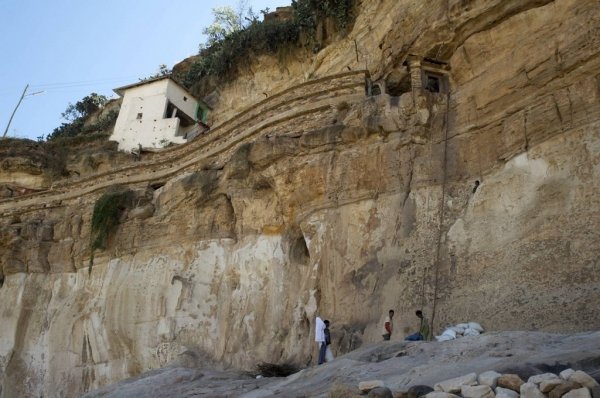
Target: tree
227 21
81 109
76 114
163 70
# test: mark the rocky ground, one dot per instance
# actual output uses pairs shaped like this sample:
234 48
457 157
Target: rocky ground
398 365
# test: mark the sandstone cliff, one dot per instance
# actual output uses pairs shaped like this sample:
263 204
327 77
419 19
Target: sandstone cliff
320 198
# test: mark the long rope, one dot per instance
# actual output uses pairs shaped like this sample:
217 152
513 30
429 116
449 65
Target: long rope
442 213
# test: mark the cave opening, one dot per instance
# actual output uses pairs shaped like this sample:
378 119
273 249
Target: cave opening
299 253
398 83
157 185
376 90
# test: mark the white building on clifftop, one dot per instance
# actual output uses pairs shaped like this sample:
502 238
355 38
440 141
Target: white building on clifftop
156 113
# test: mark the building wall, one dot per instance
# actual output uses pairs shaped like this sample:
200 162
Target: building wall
142 119
182 99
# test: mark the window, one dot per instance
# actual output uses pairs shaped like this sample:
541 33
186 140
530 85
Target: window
139 116
435 82
202 112
172 112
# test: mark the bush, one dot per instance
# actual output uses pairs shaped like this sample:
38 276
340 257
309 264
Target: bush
307 13
105 218
76 127
223 57
76 115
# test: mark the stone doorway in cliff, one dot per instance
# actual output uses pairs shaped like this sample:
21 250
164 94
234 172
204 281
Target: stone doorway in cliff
434 76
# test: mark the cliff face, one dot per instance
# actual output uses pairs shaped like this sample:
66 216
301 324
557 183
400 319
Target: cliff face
27 166
477 204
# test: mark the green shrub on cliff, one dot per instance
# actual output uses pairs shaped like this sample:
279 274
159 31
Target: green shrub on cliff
105 218
307 13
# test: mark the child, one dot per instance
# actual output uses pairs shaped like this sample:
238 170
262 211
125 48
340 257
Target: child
328 353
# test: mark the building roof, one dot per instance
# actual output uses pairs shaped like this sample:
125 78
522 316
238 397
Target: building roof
121 90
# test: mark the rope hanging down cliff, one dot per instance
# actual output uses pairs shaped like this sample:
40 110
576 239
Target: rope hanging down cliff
442 212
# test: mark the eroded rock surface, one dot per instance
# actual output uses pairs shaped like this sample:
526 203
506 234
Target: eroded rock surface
480 204
424 364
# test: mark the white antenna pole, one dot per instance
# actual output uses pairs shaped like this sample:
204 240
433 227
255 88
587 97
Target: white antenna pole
15 111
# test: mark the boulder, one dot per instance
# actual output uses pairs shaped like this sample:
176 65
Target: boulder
454 385
530 390
441 394
506 393
401 394
582 392
548 385
583 378
368 385
510 381
537 379
489 378
477 392
343 391
563 388
565 374
418 391
381 392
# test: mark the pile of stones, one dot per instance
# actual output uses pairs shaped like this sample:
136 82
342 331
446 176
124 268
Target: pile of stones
568 384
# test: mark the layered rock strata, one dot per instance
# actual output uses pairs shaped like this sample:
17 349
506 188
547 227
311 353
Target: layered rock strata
480 203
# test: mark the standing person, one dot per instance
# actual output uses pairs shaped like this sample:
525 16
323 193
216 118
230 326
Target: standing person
328 353
423 333
388 326
320 339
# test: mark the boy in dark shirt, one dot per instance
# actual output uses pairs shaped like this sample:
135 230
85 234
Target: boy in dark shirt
328 353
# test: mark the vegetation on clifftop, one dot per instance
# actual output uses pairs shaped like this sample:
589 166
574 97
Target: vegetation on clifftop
76 115
229 48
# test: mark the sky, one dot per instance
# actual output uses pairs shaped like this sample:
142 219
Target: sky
71 48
